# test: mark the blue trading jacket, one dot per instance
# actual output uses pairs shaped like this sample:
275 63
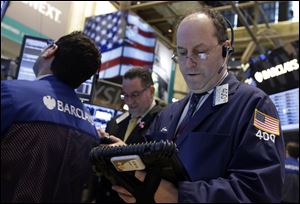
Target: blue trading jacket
228 159
46 137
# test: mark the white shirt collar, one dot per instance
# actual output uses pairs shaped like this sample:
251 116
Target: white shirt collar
43 76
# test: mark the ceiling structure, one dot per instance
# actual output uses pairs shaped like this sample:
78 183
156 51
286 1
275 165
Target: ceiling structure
163 16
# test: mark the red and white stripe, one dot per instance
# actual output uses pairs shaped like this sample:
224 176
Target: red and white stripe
138 49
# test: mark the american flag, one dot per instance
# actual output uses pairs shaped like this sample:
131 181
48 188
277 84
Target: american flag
125 40
266 123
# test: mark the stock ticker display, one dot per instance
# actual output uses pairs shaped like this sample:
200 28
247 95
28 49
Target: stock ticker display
287 104
277 74
101 115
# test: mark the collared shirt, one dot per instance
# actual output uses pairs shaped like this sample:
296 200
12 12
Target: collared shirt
201 101
185 110
43 76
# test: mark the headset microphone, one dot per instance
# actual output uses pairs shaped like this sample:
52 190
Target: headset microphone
227 51
223 65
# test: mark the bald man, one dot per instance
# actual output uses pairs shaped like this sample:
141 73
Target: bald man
228 133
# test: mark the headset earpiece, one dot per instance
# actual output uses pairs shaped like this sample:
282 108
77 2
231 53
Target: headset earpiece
225 51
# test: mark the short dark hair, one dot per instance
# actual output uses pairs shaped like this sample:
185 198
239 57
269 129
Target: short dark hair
140 72
76 59
217 19
293 149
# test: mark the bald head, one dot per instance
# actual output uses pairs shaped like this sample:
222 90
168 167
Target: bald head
216 19
204 27
195 27
195 16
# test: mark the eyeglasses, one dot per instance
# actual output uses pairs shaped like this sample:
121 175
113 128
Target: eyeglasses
134 95
196 55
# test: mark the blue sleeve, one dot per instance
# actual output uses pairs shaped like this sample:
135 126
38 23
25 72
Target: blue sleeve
7 109
255 171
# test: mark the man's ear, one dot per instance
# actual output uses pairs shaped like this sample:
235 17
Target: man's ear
227 43
152 90
50 51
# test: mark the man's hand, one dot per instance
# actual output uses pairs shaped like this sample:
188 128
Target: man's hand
124 194
165 193
110 140
102 133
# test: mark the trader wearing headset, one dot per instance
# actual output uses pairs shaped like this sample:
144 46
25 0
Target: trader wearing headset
227 133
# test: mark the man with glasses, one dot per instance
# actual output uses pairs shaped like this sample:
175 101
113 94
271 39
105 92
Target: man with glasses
227 133
138 95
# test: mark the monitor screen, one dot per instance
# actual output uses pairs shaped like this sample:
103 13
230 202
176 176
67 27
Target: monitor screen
287 104
100 114
84 91
31 49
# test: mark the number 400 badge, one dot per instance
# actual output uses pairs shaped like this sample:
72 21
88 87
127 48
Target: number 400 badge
265 136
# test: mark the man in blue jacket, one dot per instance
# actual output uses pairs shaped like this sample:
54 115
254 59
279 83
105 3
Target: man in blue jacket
228 133
291 181
46 135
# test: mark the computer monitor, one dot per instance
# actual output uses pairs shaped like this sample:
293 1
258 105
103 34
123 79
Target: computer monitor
31 49
101 114
287 104
84 91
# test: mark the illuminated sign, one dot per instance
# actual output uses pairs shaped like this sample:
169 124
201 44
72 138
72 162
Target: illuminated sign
278 70
41 17
107 94
45 9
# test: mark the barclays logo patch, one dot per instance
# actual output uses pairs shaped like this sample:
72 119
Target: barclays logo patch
49 102
52 103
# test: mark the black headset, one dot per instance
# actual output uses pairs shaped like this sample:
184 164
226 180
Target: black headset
228 50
